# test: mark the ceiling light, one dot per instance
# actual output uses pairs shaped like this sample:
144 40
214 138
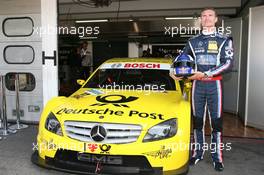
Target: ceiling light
186 36
175 18
90 21
137 36
90 37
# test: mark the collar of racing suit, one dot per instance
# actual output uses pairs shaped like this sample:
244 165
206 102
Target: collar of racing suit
205 32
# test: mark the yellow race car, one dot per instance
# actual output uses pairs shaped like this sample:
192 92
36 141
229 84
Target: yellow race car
129 117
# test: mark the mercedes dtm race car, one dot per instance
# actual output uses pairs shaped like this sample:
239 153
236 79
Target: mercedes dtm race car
129 117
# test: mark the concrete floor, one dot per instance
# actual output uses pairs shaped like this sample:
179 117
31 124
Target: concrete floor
245 157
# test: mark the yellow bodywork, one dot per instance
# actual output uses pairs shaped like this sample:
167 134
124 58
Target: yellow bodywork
171 154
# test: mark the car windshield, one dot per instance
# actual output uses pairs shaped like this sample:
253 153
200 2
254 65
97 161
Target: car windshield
132 78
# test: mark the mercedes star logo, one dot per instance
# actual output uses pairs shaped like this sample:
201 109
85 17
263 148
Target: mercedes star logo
98 133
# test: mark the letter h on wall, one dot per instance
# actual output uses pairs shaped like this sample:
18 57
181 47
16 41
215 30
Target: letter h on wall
49 58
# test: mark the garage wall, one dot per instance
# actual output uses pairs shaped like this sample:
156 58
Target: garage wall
231 81
49 18
243 69
244 14
255 83
11 7
133 50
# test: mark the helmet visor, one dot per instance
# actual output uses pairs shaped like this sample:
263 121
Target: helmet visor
184 64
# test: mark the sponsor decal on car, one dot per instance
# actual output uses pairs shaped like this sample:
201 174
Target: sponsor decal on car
91 147
109 112
116 102
94 92
105 148
161 154
138 65
142 65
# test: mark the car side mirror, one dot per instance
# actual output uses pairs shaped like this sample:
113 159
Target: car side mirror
80 82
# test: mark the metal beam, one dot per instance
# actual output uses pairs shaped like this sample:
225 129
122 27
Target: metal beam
147 5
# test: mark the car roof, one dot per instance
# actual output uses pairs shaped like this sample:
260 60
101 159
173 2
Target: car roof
151 60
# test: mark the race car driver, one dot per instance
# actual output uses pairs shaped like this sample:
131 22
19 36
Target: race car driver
213 54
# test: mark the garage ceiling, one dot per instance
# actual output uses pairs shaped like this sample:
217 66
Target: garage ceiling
71 10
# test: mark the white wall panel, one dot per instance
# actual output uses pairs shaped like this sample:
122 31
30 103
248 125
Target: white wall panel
10 7
255 80
231 81
49 48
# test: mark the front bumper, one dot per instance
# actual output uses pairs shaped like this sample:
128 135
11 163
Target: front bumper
67 161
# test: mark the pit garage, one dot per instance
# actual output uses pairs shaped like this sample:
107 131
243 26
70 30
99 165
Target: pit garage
60 57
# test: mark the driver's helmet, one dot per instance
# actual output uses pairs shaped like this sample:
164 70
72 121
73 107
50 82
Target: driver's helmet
183 65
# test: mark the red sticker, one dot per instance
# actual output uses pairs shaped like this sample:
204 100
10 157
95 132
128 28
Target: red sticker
92 147
142 65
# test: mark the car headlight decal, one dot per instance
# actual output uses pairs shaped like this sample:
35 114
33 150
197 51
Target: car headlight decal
53 125
162 131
